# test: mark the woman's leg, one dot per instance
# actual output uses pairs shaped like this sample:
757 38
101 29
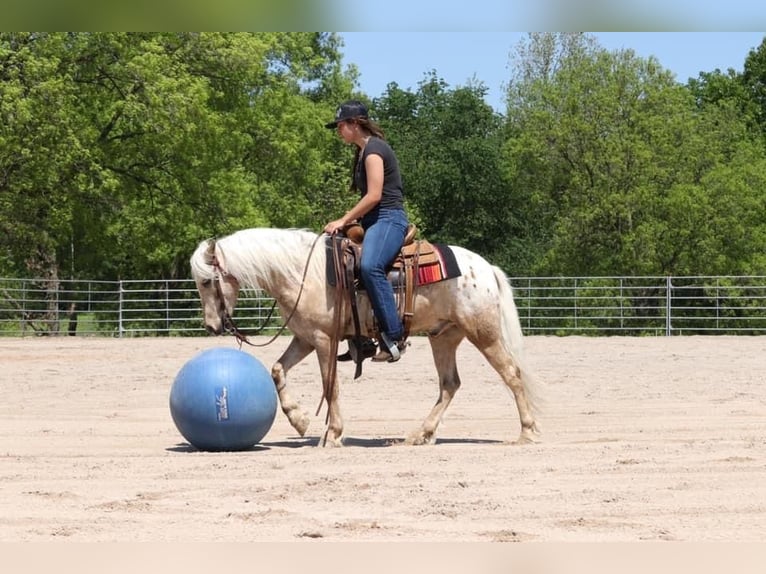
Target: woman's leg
382 242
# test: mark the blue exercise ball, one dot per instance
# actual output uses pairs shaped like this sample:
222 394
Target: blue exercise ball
223 399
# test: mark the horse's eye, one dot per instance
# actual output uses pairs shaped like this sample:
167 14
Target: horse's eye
207 282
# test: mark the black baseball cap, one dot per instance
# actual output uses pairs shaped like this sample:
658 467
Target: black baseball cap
346 111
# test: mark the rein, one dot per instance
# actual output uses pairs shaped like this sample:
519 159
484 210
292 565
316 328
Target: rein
228 322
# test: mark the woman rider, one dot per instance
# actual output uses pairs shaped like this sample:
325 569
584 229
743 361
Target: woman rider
381 211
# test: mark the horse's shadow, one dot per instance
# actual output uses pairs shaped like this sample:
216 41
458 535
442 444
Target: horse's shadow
313 441
380 442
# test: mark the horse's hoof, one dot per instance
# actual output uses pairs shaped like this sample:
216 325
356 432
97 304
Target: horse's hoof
300 423
525 439
420 438
326 442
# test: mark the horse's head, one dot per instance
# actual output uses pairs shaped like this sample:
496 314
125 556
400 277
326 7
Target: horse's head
218 289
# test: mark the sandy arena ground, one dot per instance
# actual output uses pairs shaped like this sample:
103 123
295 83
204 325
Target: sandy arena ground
642 439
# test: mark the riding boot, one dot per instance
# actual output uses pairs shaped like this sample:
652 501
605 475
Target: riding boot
390 351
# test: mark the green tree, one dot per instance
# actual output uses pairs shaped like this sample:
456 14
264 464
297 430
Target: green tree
719 89
537 177
120 151
629 174
42 163
754 82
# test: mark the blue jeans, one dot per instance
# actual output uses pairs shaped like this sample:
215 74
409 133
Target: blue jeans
383 237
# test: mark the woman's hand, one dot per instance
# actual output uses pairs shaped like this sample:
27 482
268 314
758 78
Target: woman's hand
335 226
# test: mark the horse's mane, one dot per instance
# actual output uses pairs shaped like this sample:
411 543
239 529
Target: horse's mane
260 257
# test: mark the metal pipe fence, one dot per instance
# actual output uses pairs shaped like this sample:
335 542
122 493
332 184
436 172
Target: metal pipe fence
634 306
128 308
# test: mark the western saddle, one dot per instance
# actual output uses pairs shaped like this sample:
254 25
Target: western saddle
346 250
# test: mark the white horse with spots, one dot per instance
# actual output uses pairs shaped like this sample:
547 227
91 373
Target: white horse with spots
290 265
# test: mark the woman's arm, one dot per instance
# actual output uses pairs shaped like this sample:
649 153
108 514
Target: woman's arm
373 164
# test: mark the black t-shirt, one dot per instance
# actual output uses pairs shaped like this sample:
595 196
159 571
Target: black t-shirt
393 193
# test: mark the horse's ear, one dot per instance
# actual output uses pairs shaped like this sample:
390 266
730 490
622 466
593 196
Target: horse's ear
210 252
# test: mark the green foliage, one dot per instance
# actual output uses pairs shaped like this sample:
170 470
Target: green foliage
630 175
753 79
119 152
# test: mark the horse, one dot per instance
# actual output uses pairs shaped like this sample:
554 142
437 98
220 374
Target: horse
290 267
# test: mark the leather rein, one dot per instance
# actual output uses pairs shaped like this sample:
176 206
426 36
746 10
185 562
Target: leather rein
227 321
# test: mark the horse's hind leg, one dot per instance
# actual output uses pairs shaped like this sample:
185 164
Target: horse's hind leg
296 351
511 374
444 349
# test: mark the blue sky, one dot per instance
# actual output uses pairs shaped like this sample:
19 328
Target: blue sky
564 15
405 57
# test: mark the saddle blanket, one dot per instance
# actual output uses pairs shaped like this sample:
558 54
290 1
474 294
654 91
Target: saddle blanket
445 267
439 266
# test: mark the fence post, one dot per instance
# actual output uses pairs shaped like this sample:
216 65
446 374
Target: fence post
575 302
622 313
717 303
119 312
529 303
668 306
23 307
56 327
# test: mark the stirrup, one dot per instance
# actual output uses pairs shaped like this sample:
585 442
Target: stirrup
365 349
390 352
386 357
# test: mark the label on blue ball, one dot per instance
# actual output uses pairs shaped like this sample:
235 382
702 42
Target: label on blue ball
222 403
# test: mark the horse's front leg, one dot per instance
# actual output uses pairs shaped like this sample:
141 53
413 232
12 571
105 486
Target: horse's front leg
333 434
296 351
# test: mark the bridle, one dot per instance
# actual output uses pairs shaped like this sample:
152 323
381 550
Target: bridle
227 322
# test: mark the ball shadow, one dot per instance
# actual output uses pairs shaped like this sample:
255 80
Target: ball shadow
188 448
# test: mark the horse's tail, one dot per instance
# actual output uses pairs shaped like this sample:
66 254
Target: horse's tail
513 337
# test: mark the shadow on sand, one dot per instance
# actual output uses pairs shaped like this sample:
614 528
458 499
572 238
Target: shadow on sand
313 441
369 442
